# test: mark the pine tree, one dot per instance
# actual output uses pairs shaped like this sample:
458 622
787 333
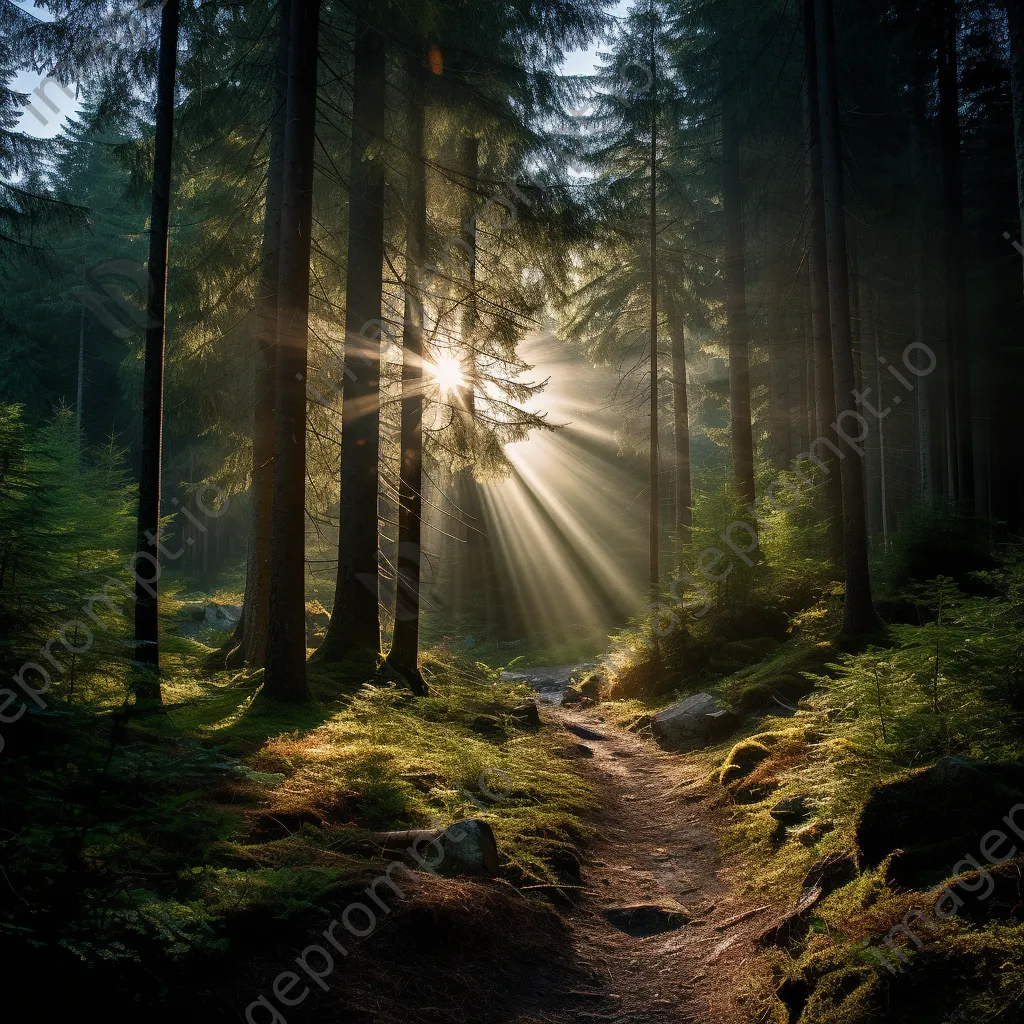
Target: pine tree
859 614
147 650
355 621
254 626
404 653
817 264
285 670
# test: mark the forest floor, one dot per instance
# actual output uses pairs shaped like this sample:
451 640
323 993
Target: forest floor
659 930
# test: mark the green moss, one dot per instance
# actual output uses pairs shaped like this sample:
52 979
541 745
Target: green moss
742 760
226 824
844 996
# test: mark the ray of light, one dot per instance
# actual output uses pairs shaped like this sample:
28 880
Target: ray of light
563 530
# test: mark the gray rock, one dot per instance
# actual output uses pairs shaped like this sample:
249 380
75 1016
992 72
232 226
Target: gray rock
691 723
791 811
222 616
933 816
583 732
831 872
721 724
526 714
576 750
646 919
469 849
465 848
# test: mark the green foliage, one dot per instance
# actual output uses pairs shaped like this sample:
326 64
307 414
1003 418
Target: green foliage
65 529
202 837
943 686
703 628
934 538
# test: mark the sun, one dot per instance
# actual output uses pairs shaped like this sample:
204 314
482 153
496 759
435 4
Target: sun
447 371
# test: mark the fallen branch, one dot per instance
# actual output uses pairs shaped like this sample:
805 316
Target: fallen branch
741 917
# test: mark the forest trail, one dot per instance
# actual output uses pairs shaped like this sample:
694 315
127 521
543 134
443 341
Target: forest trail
663 935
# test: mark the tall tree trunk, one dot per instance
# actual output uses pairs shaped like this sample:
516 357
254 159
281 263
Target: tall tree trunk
925 464
883 495
949 436
80 389
1015 24
285 673
804 358
810 405
778 368
355 620
818 269
741 430
147 649
476 590
953 246
859 614
869 370
404 653
856 325
654 518
681 422
928 481
254 626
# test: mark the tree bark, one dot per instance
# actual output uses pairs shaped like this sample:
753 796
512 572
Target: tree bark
254 626
818 270
883 495
285 673
681 422
872 464
778 368
1015 25
476 594
80 389
355 619
654 518
741 430
804 369
859 614
146 663
953 251
404 653
928 477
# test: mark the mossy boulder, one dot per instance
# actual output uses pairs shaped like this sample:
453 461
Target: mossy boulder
587 690
786 688
791 811
936 816
993 892
747 623
742 760
845 996
318 618
692 723
746 652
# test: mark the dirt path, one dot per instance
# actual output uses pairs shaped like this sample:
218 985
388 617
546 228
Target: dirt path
663 936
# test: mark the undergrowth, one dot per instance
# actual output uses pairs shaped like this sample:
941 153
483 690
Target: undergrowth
836 724
150 853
